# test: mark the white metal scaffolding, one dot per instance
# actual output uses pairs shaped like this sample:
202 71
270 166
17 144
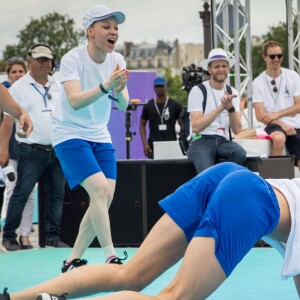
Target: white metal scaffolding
242 30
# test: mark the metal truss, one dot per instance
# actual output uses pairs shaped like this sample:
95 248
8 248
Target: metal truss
231 42
293 16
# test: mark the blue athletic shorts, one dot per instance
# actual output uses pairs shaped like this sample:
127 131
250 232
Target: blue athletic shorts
228 203
80 159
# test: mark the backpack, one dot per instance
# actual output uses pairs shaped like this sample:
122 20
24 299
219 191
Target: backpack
185 133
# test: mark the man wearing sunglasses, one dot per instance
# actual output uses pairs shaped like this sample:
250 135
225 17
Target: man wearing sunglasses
276 98
36 92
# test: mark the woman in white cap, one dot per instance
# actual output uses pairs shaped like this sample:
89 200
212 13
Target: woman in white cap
93 76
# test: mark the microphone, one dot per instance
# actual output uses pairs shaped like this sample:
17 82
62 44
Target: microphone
9 172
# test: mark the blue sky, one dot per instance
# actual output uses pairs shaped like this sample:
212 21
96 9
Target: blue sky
147 20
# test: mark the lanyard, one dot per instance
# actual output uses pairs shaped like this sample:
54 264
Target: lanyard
216 104
43 95
161 115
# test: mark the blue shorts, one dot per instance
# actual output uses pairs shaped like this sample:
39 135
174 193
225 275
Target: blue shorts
228 203
80 159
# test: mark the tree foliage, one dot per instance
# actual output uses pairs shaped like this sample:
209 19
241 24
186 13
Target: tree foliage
55 30
174 87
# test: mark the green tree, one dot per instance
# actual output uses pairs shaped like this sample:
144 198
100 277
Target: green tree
174 87
276 33
57 31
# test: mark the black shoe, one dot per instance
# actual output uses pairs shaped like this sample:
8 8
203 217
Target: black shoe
118 260
75 263
5 295
11 244
57 244
24 247
45 296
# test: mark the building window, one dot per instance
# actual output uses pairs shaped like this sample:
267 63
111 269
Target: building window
160 63
139 63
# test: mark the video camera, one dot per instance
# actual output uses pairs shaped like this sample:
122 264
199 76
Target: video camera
192 76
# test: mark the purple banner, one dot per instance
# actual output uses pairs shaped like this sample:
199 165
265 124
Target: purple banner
140 86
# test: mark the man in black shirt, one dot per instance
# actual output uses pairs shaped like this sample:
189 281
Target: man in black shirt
162 114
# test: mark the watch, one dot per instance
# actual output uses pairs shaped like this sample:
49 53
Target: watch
103 90
231 109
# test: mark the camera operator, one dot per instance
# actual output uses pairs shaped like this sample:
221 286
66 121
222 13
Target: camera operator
213 108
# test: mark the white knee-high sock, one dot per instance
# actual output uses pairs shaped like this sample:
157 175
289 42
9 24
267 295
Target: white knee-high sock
109 252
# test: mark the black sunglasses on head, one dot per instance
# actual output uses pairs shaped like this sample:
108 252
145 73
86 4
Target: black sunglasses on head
14 60
279 56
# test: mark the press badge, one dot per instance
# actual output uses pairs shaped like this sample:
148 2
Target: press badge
47 113
162 127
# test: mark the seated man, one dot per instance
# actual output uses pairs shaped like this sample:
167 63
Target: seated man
213 107
276 98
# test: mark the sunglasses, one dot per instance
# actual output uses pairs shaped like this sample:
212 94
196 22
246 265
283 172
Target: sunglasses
14 60
42 59
279 56
275 89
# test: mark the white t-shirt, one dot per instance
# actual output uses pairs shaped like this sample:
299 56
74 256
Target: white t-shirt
32 97
288 86
90 122
195 101
290 250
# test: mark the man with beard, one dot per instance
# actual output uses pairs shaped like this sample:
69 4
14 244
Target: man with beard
214 107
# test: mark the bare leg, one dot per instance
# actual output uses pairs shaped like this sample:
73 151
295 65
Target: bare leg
162 248
96 219
278 142
198 277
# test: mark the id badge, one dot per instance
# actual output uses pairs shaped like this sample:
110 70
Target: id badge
162 127
47 113
221 131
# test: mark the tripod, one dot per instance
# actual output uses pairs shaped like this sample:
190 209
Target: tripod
128 135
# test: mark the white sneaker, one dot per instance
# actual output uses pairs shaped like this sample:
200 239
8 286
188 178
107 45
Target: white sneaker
45 296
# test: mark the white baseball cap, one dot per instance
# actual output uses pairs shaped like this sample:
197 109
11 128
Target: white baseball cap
101 12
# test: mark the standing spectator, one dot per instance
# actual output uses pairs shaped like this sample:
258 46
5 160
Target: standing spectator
276 98
89 74
36 92
15 69
162 114
213 109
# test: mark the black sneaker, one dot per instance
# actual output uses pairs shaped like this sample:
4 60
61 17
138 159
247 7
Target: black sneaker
117 260
11 244
75 263
57 244
45 296
5 295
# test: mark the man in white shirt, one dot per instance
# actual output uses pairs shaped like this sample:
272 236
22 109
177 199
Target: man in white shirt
36 92
276 99
213 113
